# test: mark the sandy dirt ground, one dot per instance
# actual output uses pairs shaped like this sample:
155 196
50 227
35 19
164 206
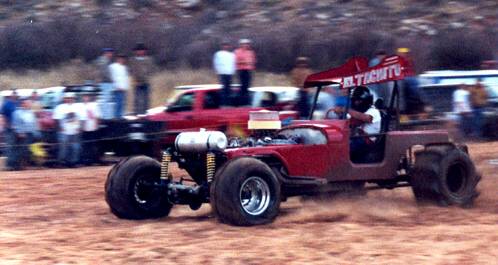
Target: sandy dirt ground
60 217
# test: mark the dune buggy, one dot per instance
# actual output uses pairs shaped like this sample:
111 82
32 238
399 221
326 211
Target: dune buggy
245 180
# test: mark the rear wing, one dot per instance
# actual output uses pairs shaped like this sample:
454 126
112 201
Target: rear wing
355 72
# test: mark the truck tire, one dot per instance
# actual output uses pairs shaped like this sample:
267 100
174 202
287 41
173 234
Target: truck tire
131 189
246 192
445 176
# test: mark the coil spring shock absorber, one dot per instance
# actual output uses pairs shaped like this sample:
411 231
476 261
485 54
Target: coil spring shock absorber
210 166
166 159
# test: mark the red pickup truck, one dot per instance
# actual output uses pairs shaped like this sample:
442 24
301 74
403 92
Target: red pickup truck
199 107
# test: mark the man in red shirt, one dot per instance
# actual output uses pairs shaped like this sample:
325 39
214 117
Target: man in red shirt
245 60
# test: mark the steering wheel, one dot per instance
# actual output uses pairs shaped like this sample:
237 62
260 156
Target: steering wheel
328 112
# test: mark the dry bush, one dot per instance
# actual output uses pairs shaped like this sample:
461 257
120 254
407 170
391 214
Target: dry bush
182 44
70 73
461 50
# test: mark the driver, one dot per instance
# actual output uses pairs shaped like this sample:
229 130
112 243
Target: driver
365 120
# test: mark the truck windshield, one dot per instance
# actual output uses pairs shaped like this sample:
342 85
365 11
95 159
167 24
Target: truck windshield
184 102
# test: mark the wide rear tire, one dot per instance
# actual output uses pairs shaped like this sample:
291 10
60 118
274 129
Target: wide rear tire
132 189
245 192
445 176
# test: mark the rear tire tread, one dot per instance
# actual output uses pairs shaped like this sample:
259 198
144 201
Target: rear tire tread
429 177
118 193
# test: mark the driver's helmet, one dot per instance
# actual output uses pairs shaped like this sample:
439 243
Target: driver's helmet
362 99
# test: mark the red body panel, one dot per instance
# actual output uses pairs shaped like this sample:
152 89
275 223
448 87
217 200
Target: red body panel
355 72
232 120
296 158
332 162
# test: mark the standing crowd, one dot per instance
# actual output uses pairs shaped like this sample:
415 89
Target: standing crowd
23 118
76 118
116 73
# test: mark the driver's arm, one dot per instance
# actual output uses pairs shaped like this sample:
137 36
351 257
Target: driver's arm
355 115
360 116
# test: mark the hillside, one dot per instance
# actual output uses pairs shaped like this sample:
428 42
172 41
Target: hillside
412 16
186 32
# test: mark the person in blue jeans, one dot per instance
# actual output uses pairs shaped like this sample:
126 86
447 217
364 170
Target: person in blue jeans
121 82
70 117
105 82
119 103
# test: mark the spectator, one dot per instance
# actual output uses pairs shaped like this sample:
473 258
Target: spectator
245 59
36 105
104 78
224 65
141 68
461 107
25 129
121 83
90 153
69 117
479 100
379 56
298 76
37 108
8 107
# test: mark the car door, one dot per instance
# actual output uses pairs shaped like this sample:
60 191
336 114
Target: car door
209 115
180 114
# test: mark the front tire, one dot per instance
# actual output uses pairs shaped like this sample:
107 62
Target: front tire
246 192
445 176
133 189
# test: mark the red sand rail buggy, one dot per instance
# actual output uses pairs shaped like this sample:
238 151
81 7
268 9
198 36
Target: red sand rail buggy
245 180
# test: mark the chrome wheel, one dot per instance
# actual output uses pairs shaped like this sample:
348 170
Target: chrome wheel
254 195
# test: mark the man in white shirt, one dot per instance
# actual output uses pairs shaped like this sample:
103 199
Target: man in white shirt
90 152
121 83
462 107
366 120
224 65
70 118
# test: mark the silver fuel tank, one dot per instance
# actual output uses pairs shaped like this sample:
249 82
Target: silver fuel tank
200 142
